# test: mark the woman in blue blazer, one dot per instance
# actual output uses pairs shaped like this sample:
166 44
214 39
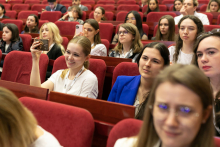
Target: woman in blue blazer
134 90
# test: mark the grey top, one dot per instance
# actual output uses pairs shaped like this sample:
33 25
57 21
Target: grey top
72 19
83 8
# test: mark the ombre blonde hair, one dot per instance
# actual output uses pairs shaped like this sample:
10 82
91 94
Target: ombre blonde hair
85 43
55 32
17 123
208 6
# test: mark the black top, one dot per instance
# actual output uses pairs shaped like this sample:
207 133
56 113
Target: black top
59 7
17 45
5 16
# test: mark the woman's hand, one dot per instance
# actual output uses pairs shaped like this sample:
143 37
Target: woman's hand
70 14
34 52
79 34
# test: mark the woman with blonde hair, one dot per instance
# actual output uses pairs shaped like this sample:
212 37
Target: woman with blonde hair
77 79
18 125
178 112
213 6
129 44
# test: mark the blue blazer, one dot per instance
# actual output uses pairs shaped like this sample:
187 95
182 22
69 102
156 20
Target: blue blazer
125 89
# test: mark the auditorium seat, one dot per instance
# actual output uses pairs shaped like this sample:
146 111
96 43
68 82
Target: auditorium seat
97 66
0 54
106 31
84 15
121 15
91 2
88 6
218 20
217 141
51 16
203 8
44 2
105 2
171 8
17 67
32 1
38 7
65 42
155 16
108 7
126 7
125 128
72 126
208 28
161 8
11 14
25 14
144 26
15 2
20 7
130 2
66 27
27 41
108 15
7 6
63 2
2 1
209 15
18 23
203 1
106 43
167 2
41 22
126 69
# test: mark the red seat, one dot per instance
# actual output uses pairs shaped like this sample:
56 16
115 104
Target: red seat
171 8
121 15
11 14
17 67
38 7
25 14
208 28
2 1
0 54
130 2
15 2
84 16
97 66
155 16
125 68
18 23
203 1
108 15
44 2
203 8
41 22
209 15
125 128
88 6
105 2
65 42
91 2
21 7
47 16
145 28
66 27
63 2
27 41
106 43
32 1
106 31
217 141
70 125
161 8
167 1
218 20
7 6
106 7
126 7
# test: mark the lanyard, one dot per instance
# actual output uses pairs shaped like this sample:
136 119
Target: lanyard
67 86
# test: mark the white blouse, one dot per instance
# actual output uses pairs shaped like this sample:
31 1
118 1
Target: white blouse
99 50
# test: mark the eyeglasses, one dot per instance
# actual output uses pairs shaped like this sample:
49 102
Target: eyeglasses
123 32
131 18
161 112
214 31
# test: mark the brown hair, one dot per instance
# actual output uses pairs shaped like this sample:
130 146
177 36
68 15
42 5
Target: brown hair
148 8
17 124
208 6
78 10
103 12
35 29
136 45
195 3
171 32
199 84
179 41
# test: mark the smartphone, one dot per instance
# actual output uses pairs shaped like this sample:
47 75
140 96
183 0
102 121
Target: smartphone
79 28
44 45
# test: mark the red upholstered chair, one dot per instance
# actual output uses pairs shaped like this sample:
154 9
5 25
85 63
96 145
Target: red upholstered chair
18 23
97 66
208 28
171 8
0 54
17 67
203 1
84 16
167 1
25 14
218 20
91 2
11 14
41 22
106 31
203 8
209 15
66 27
105 2
125 68
106 43
121 15
21 7
108 15
126 7
88 6
7 6
44 2
155 16
15 2
106 7
125 128
2 1
130 2
38 7
32 1
27 41
46 15
63 2
72 126
217 141
65 42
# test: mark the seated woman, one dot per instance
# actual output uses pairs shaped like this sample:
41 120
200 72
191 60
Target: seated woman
77 79
31 24
75 14
91 31
153 6
189 27
177 5
129 44
178 113
207 58
166 29
2 12
213 6
134 90
134 18
99 14
19 126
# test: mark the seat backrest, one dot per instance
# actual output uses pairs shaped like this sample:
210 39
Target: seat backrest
167 2
127 7
38 7
105 2
108 15
84 15
209 15
18 23
108 7
125 128
17 67
91 2
70 125
65 42
106 43
46 15
7 6
217 141
27 41
0 54
66 27
25 14
63 2
15 2
89 7
106 31
11 14
208 28
155 16
21 7
125 68
203 8
130 2
32 1
41 22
